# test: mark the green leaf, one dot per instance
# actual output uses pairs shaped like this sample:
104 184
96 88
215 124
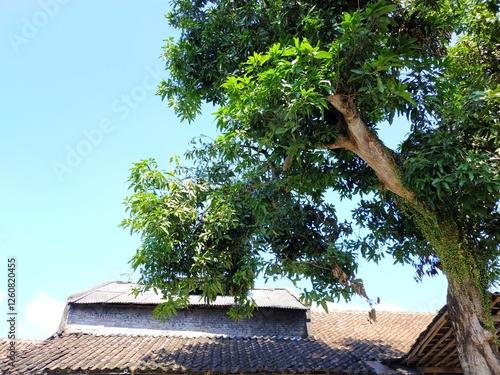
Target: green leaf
407 97
323 55
380 85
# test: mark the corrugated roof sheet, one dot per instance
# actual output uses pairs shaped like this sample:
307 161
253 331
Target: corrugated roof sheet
120 292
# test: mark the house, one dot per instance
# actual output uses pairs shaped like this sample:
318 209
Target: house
105 330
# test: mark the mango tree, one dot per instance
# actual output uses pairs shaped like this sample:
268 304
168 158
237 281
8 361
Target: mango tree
301 88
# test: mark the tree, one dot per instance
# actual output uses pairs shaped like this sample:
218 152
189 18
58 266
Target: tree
301 88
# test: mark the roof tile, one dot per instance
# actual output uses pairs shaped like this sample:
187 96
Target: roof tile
221 355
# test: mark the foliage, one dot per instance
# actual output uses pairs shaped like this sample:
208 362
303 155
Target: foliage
452 161
212 238
218 35
254 200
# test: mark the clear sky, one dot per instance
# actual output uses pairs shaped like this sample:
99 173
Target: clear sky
77 108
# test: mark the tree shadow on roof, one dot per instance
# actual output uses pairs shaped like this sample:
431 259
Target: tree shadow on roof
268 355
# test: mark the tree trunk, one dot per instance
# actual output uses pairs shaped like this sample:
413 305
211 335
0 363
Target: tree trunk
478 355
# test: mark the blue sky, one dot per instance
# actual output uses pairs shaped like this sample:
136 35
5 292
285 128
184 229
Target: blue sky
77 108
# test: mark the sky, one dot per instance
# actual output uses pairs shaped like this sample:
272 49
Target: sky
77 109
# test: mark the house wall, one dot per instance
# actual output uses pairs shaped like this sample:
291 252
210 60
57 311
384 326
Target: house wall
192 322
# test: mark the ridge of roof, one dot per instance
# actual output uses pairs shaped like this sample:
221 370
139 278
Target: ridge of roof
138 332
364 312
209 337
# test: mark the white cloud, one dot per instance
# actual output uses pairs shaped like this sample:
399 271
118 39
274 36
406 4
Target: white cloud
45 312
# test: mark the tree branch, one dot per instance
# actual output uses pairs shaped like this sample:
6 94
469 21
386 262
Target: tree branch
360 140
264 152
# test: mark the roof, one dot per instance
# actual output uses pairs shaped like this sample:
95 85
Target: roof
390 336
435 346
86 352
119 292
20 345
8 347
343 341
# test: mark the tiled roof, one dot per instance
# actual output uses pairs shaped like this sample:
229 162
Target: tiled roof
343 340
84 352
390 336
20 345
120 293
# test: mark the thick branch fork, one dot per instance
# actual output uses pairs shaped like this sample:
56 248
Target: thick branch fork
360 140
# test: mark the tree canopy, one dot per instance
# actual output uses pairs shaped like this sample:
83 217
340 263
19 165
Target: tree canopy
301 87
